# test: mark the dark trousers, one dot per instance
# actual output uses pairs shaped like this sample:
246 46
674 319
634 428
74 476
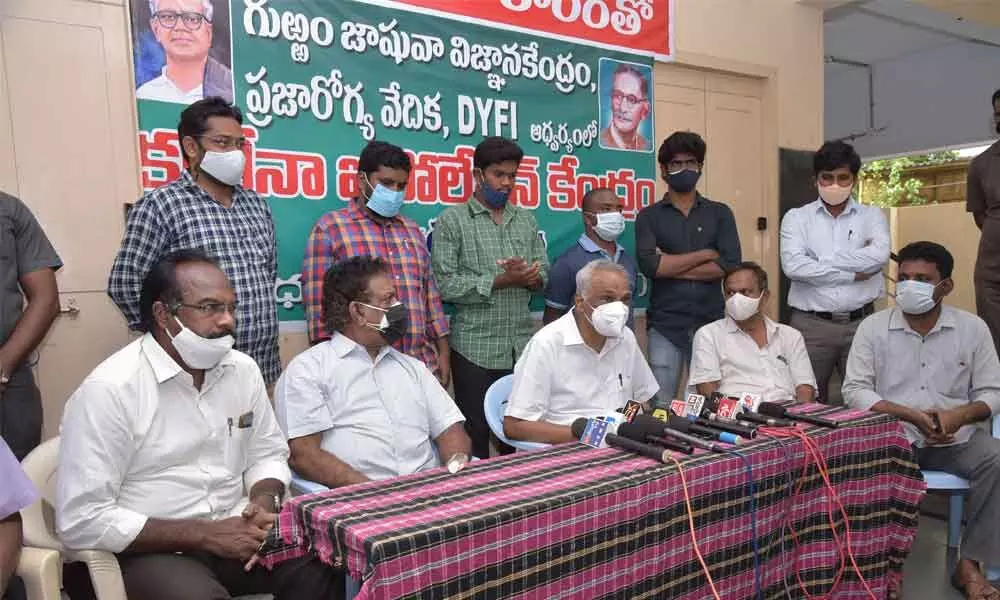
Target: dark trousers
471 382
21 413
201 576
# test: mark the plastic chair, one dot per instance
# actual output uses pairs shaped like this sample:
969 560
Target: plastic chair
494 405
41 572
941 481
300 486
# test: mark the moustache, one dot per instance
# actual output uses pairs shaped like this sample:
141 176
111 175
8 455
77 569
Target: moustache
221 334
622 115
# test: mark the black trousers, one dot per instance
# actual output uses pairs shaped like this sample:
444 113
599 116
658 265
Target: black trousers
21 413
471 382
201 576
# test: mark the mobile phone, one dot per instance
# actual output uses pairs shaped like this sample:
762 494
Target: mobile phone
937 422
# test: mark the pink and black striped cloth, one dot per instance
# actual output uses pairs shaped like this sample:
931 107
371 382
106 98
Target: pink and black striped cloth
576 522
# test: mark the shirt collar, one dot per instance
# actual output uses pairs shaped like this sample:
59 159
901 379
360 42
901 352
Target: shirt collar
343 346
698 200
852 207
897 321
166 368
770 326
477 208
187 180
358 213
572 337
591 246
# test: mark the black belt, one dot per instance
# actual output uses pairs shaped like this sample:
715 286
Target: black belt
839 317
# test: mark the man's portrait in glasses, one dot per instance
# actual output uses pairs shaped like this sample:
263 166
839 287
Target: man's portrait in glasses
182 50
626 106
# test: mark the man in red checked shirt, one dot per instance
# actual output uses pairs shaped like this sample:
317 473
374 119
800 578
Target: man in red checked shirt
371 225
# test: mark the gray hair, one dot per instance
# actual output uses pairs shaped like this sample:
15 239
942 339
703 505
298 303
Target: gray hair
206 4
584 275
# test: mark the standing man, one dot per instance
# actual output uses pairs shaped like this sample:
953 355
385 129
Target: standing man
372 226
488 259
603 223
685 244
629 108
833 249
983 201
29 273
184 30
935 369
207 208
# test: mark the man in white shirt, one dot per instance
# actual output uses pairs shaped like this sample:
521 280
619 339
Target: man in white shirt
353 407
745 351
935 368
171 456
833 250
586 363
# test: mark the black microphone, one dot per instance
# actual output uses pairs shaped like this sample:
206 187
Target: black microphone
710 419
682 424
771 409
623 443
655 424
761 419
642 432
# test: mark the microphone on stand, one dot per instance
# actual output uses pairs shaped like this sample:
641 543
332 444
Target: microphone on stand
710 419
685 426
758 418
653 433
624 443
667 431
772 409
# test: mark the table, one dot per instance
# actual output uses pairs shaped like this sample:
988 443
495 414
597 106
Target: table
576 522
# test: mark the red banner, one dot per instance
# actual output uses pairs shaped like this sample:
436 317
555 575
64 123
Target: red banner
640 26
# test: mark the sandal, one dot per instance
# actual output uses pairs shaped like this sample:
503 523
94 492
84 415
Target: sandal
974 586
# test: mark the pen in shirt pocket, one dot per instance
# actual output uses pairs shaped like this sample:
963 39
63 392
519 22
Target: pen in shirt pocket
229 422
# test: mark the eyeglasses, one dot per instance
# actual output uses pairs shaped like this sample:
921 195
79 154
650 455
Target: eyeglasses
192 20
209 309
225 142
679 165
626 99
841 179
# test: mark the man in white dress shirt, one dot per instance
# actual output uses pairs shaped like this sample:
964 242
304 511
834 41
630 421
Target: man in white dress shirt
586 363
353 407
935 368
171 456
833 250
745 351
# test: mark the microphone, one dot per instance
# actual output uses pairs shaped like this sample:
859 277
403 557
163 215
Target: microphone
682 424
643 432
710 419
667 431
762 420
771 409
623 443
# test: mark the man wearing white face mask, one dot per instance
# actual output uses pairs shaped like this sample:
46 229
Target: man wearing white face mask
353 407
171 456
207 208
833 250
746 352
603 223
935 368
584 364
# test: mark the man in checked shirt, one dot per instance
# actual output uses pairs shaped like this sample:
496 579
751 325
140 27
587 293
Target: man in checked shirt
371 225
207 208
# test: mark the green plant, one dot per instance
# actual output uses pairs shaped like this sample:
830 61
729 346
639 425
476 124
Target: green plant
886 183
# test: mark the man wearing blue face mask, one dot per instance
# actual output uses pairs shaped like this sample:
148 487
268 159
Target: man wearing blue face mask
171 456
371 225
935 368
488 260
685 244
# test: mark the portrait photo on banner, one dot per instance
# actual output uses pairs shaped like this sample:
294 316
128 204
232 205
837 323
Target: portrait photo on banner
182 50
625 106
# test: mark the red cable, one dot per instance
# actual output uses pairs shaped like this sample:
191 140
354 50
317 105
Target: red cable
694 540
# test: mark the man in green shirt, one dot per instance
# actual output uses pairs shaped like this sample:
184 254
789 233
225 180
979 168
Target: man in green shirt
488 259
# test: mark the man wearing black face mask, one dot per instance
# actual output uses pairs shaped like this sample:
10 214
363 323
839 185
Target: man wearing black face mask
685 243
353 407
983 201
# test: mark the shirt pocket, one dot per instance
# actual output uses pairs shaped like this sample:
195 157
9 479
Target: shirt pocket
236 441
957 374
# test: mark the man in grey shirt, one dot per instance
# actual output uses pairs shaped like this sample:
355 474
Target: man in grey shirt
935 368
27 272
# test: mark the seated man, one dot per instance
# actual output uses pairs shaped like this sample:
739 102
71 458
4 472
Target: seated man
16 493
935 368
745 351
586 363
356 409
171 456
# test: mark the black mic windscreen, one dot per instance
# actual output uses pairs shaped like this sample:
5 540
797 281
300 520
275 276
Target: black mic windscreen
578 426
770 409
679 424
639 431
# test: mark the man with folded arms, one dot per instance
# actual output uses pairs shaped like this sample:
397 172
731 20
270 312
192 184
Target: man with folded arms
586 363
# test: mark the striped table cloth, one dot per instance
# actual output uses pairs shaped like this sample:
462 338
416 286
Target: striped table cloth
577 522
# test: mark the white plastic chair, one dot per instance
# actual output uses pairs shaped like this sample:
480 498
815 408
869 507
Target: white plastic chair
494 405
941 481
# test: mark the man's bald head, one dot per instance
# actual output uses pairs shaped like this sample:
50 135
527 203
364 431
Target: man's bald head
596 198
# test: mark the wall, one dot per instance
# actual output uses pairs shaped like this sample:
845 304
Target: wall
951 226
925 100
